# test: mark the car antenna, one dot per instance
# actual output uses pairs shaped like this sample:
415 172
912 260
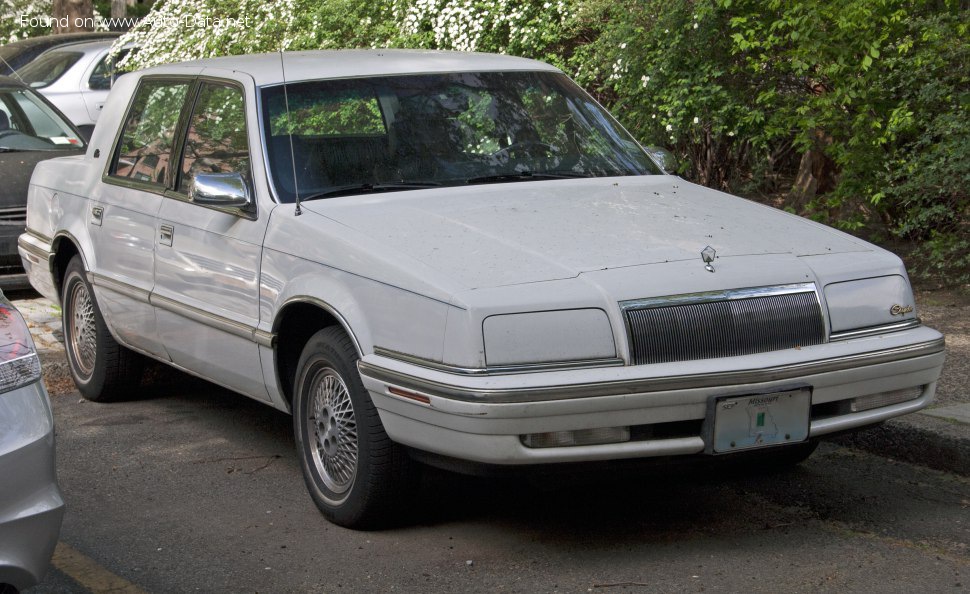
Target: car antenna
286 100
12 71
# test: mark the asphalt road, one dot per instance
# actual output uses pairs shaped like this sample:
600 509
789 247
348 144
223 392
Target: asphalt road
192 488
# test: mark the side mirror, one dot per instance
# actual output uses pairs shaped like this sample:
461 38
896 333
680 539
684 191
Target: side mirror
220 189
664 158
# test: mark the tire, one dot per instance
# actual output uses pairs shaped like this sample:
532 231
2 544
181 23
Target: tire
103 370
355 474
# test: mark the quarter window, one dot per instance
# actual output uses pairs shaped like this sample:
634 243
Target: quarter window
146 143
216 138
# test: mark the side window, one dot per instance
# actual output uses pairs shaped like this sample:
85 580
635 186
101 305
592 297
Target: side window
148 135
216 139
103 74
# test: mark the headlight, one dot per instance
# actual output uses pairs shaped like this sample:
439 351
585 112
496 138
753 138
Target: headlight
548 337
19 364
870 305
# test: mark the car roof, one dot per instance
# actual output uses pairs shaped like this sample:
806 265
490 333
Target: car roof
61 39
17 54
322 64
86 47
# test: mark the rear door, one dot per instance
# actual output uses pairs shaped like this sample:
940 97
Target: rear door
123 221
96 83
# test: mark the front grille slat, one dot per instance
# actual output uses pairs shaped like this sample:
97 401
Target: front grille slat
725 327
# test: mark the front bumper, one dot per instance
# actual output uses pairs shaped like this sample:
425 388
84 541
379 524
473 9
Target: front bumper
482 418
31 506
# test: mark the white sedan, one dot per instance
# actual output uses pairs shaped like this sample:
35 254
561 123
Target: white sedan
76 78
455 259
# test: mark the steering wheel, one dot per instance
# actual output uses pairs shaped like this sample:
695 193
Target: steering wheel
525 145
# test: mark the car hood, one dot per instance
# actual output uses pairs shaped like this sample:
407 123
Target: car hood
507 234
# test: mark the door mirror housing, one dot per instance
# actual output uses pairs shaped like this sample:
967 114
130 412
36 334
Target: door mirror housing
220 189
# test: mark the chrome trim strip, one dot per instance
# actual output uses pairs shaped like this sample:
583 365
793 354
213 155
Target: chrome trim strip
498 369
24 242
38 235
711 296
260 337
645 385
871 330
264 338
105 282
203 317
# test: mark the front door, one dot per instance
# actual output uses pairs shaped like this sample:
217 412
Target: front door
206 294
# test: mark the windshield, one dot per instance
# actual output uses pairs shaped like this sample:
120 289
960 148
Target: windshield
49 67
29 124
400 132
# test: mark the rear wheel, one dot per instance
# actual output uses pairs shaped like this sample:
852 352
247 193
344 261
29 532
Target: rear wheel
354 472
102 369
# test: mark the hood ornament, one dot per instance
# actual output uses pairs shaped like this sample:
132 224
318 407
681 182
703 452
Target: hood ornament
708 254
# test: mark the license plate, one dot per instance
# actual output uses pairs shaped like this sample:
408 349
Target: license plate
761 420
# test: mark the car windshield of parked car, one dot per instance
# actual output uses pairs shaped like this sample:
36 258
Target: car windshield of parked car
50 66
29 124
364 135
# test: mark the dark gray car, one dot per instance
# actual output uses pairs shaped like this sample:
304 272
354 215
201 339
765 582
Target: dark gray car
19 53
31 130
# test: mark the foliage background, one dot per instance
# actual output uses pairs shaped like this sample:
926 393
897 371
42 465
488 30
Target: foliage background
853 112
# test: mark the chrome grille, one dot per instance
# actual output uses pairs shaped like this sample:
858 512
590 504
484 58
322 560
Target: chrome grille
13 215
724 324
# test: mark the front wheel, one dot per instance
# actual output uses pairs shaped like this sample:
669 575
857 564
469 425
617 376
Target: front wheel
354 472
102 369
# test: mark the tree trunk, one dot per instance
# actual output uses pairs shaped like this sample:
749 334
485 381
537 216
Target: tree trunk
73 15
119 9
816 174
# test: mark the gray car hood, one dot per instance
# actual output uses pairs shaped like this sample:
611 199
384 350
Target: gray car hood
505 234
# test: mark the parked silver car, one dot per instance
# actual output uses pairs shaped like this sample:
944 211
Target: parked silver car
460 259
31 507
76 78
17 54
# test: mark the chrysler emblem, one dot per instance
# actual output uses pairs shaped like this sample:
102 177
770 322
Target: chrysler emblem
708 254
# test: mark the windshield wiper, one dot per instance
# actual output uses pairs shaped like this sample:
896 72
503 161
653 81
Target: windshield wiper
7 149
367 188
525 175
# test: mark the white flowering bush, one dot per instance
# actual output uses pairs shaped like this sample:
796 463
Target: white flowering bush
16 15
178 30
534 28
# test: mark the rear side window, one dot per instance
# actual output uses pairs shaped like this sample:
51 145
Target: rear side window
104 73
145 150
49 67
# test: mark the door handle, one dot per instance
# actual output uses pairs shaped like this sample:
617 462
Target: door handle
97 213
166 234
